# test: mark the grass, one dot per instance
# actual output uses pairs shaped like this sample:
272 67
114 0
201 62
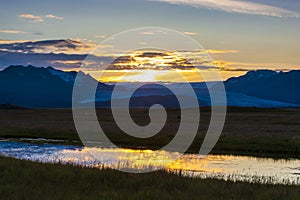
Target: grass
21 179
248 131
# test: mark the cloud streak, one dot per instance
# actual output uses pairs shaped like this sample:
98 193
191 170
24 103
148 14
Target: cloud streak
51 16
100 36
190 33
68 46
36 18
221 51
12 31
33 18
237 6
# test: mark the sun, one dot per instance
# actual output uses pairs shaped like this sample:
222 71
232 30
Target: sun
140 76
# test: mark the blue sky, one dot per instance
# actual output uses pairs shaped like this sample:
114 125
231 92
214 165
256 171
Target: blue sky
263 34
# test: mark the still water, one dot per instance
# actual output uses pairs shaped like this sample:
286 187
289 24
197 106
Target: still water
234 168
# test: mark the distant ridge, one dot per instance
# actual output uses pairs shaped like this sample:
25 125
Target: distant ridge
11 107
268 84
40 87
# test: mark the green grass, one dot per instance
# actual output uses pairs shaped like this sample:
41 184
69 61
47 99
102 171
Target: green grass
29 180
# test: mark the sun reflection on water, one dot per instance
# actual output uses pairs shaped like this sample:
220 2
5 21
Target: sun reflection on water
225 167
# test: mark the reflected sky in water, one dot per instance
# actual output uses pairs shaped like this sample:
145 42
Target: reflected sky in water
234 168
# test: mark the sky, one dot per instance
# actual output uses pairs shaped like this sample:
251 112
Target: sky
239 35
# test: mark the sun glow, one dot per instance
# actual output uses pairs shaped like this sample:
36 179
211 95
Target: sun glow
146 76
158 66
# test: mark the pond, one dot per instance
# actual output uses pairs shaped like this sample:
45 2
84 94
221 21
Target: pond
226 167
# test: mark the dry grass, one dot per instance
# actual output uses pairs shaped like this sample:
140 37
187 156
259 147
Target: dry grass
29 180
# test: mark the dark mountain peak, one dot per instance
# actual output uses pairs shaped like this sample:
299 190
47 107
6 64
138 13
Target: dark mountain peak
41 86
293 72
17 69
265 72
254 75
268 84
49 73
50 68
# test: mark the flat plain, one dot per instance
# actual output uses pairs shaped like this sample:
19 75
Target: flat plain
247 131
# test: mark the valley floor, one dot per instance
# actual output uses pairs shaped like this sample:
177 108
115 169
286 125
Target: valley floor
248 131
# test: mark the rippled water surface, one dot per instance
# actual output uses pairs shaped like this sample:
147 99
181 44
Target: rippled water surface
242 168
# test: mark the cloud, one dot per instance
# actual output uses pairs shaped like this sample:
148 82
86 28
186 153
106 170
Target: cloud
190 33
237 6
34 18
38 33
69 54
38 59
228 66
12 31
68 46
221 51
12 41
51 16
63 54
100 36
203 52
66 64
147 60
146 33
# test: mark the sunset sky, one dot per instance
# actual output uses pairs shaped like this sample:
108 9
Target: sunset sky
239 35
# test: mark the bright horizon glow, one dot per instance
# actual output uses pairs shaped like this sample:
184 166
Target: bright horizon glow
159 75
155 66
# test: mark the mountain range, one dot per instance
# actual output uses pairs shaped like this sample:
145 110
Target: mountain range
40 87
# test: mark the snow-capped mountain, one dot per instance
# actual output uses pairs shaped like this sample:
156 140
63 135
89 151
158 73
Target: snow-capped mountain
67 77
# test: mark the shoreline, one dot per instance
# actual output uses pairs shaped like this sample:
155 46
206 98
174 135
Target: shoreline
273 133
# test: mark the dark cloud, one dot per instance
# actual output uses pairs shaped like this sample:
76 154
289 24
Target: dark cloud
152 54
37 59
45 46
45 53
38 33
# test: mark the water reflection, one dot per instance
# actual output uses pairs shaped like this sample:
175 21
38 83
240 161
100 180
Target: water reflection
234 168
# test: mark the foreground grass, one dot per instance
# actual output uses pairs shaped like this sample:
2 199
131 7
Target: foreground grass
29 180
248 131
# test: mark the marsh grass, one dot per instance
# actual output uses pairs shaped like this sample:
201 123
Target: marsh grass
29 180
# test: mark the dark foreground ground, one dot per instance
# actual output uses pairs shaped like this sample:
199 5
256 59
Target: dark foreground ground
247 131
29 180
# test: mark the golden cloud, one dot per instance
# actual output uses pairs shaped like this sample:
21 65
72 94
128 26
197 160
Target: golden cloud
51 16
12 31
100 36
34 18
217 51
190 33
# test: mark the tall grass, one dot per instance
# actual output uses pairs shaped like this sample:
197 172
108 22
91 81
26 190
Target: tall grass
21 179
